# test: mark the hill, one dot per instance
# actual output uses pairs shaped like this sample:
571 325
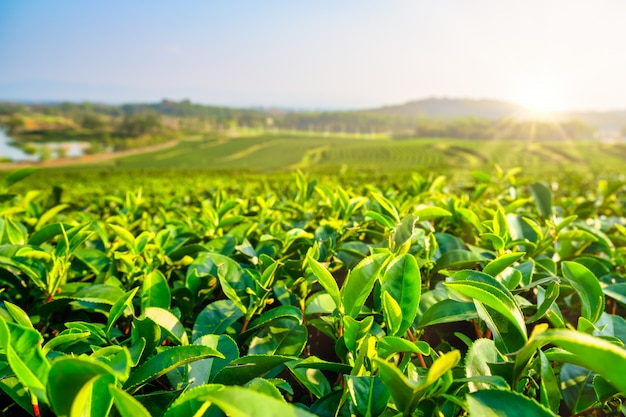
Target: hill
611 120
451 107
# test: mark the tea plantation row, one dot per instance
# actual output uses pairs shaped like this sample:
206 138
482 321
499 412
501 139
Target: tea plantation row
287 295
285 151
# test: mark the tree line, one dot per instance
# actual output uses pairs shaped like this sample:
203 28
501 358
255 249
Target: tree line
160 121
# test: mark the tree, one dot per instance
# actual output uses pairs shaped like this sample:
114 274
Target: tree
15 124
138 124
93 121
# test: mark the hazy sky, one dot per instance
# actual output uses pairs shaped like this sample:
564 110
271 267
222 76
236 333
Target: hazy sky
315 54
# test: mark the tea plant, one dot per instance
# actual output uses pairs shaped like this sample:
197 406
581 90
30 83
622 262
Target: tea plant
420 296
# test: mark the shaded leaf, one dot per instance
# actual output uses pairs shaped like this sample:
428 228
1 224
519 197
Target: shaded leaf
504 404
242 370
543 199
216 318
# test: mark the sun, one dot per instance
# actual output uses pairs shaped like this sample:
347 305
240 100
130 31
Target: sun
541 98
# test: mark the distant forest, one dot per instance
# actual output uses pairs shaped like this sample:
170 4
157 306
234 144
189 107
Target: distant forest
128 125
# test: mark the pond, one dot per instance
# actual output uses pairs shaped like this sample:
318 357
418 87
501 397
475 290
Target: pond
9 150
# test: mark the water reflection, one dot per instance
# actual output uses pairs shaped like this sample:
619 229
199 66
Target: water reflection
52 150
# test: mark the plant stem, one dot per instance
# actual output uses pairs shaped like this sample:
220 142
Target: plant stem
479 333
410 335
420 357
245 325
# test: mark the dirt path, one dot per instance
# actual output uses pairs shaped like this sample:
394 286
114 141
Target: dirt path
88 159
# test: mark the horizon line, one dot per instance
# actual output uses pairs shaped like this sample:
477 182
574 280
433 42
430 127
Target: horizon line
295 108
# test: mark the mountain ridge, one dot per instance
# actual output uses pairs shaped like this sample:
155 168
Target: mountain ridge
451 107
446 107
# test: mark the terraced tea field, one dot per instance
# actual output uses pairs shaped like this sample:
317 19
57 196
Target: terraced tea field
319 153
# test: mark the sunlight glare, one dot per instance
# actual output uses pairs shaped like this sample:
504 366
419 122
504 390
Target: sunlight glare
541 99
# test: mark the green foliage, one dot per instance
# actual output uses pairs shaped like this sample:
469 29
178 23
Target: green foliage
376 296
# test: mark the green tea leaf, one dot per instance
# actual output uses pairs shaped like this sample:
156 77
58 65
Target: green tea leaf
92 399
283 336
216 318
124 305
285 311
499 264
360 282
22 346
265 387
457 259
501 226
126 405
447 311
550 393
169 323
543 199
546 299
387 206
504 404
49 215
12 387
313 379
368 394
402 281
18 175
587 351
73 379
234 401
155 291
431 212
18 315
242 370
124 235
392 314
326 280
407 394
495 297
480 354
65 339
588 288
15 232
604 390
204 370
47 232
314 362
577 387
389 345
165 361
403 392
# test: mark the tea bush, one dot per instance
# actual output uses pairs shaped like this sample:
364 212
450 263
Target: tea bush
488 294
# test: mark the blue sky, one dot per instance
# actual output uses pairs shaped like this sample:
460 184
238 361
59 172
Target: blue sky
316 54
